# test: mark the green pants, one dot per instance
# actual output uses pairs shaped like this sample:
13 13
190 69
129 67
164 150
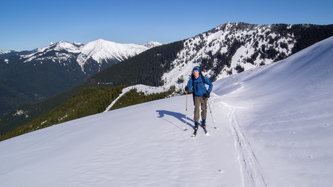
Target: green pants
200 101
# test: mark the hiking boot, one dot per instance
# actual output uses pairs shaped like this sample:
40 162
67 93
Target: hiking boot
203 125
196 125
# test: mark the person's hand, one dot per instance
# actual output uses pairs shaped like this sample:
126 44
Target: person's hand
207 94
186 88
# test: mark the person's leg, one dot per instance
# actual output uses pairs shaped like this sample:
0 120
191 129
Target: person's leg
197 104
204 111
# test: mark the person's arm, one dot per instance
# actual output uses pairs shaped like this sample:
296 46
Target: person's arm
188 88
207 81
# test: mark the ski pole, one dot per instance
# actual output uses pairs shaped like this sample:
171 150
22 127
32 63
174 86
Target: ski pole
210 110
186 113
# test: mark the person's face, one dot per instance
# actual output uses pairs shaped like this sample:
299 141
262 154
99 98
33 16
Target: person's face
196 73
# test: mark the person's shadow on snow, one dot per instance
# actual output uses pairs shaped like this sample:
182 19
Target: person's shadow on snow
181 117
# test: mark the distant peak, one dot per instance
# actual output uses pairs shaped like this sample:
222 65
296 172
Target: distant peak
152 44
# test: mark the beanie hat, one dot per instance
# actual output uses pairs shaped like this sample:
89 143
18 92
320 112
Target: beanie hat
196 68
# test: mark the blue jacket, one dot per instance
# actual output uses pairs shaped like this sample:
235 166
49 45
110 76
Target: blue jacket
199 88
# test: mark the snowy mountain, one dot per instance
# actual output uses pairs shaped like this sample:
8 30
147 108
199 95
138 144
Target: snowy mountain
58 51
4 52
234 47
152 44
31 76
95 53
101 51
274 128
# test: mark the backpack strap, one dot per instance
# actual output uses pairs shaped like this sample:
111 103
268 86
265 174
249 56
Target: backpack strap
202 78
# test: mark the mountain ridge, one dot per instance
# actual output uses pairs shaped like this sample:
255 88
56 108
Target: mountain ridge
98 50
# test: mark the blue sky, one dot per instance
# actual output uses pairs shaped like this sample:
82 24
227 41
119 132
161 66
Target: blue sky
28 24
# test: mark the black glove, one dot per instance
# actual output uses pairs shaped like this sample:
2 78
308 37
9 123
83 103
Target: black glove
186 88
207 94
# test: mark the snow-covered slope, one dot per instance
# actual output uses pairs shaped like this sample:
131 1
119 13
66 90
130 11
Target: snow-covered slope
274 128
281 117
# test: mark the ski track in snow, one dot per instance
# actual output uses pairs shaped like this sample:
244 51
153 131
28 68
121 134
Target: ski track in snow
250 168
249 165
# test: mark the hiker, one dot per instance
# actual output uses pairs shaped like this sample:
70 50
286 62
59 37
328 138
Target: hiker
200 95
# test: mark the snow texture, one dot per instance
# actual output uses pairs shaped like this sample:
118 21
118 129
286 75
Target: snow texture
274 128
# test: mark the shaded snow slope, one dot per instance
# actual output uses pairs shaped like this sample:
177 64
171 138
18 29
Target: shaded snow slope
274 128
